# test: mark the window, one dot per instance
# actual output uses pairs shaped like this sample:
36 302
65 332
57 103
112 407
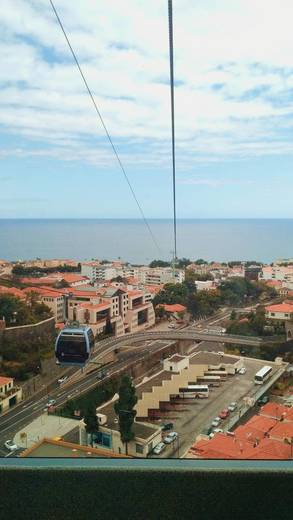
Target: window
139 448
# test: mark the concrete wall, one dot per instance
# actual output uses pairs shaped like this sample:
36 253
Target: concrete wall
27 332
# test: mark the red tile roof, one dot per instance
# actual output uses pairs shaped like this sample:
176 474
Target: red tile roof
5 380
274 410
59 326
176 307
13 291
282 307
132 294
273 283
43 291
282 430
256 428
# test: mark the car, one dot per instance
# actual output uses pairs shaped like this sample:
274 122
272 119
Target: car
216 421
221 353
232 407
51 402
159 448
167 426
171 326
62 379
263 400
102 375
10 445
242 370
170 437
216 430
224 413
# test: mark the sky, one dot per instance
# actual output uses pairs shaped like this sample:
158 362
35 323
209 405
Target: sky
233 66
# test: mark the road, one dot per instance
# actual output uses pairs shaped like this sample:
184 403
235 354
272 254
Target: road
78 382
25 412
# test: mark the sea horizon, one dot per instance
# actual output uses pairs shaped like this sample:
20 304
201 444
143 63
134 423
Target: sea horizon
218 239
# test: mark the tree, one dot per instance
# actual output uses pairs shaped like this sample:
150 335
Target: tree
91 422
160 312
233 315
200 261
159 263
124 408
181 263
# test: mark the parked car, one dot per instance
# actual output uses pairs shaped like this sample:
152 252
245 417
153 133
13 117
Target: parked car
159 448
10 445
171 326
232 407
221 353
263 400
216 421
216 430
224 413
170 437
242 370
167 426
62 379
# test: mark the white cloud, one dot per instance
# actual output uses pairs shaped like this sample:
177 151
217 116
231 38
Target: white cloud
125 59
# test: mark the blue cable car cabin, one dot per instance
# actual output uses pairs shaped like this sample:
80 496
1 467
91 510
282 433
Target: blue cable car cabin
73 346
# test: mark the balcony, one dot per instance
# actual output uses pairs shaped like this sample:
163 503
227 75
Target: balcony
12 391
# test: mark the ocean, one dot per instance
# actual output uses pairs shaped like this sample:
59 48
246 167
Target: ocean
83 239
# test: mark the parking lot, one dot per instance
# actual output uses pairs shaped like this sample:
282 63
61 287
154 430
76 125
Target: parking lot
191 416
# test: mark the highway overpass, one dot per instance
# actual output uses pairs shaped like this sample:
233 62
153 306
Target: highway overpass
108 345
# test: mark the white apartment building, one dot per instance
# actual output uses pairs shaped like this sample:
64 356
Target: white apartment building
208 285
276 272
95 271
160 275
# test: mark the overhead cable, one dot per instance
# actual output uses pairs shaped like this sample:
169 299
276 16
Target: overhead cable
104 126
170 16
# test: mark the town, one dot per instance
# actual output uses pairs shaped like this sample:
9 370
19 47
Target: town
204 349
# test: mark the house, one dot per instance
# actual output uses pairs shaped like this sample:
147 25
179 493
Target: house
280 311
10 395
172 309
146 436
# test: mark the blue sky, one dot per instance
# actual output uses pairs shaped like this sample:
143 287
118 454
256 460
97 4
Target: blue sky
233 105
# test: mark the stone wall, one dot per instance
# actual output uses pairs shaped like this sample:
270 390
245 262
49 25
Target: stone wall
27 332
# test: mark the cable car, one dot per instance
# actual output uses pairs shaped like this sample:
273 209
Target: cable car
73 345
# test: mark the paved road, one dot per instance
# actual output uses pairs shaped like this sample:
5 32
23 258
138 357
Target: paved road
24 413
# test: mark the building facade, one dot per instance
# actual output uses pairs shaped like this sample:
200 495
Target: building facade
10 395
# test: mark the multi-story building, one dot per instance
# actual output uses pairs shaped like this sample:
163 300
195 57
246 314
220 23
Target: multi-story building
9 394
52 298
160 275
207 285
127 311
95 271
276 272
